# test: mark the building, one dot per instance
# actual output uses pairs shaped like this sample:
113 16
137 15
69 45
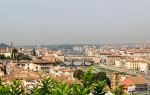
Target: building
5 51
35 65
140 65
134 84
133 64
138 52
27 78
78 48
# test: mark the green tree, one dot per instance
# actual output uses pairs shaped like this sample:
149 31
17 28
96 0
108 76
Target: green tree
47 86
78 89
34 52
101 76
4 89
77 74
13 55
98 87
15 88
2 56
34 91
61 89
87 78
22 56
118 90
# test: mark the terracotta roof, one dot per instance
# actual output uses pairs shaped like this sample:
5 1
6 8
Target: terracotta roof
22 74
139 50
130 80
132 60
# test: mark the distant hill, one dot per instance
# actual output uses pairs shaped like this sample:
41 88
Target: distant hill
3 45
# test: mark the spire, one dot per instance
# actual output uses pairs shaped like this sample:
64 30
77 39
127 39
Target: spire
11 46
38 46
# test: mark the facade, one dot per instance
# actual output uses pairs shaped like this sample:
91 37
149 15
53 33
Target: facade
133 64
35 66
138 52
78 48
61 71
137 65
134 84
113 58
28 78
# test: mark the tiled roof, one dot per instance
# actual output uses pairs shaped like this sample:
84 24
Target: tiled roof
22 74
130 80
139 50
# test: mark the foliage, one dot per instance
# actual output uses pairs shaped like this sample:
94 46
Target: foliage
77 74
3 89
49 86
78 89
98 87
15 88
14 52
34 52
118 90
87 78
22 56
61 89
3 57
102 76
97 76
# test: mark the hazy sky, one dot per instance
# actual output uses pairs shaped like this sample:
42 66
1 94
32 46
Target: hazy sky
74 21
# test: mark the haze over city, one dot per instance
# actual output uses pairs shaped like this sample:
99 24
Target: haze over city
27 22
74 47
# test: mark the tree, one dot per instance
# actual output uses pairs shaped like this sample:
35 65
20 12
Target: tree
22 56
13 55
34 91
102 76
78 89
34 52
2 56
118 90
87 78
98 87
89 83
15 88
47 86
97 76
4 89
77 74
61 89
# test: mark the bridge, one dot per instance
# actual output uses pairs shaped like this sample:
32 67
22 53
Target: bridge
85 58
78 60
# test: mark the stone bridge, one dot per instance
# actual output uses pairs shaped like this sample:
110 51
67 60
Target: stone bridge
82 58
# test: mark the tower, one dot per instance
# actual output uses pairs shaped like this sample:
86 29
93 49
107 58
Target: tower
115 80
38 46
11 45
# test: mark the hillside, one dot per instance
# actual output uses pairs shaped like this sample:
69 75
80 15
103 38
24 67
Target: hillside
3 45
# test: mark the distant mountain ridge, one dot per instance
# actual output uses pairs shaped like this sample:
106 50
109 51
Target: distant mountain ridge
3 45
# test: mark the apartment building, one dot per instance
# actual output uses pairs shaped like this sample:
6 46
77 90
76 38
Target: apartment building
138 52
134 84
133 64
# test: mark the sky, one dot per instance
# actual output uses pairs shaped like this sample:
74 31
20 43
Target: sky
27 22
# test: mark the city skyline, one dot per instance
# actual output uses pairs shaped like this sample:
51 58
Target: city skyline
74 22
